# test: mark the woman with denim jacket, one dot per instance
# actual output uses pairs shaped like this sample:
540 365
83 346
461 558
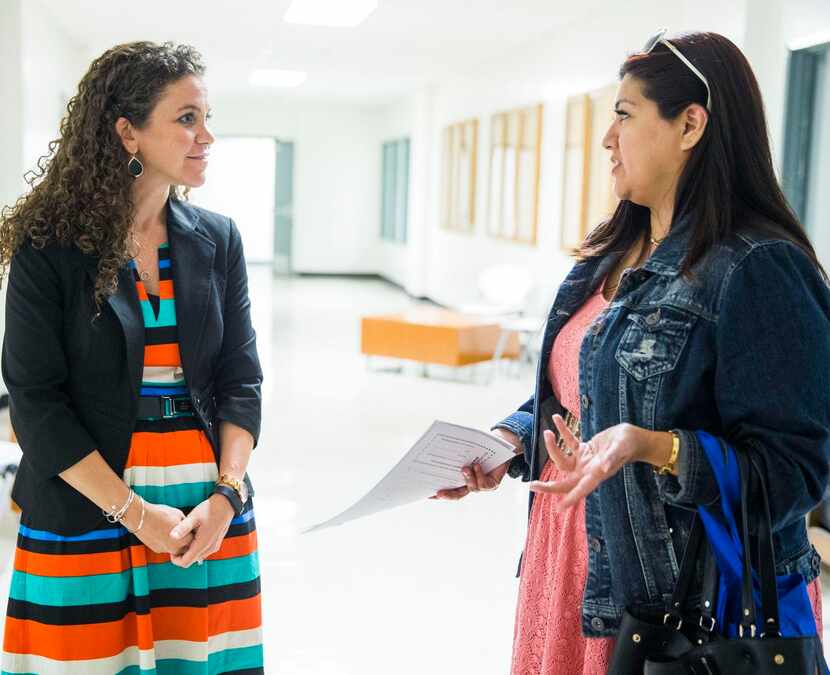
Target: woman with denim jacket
699 305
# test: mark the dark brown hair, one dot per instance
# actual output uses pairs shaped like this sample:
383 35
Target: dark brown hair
81 191
728 184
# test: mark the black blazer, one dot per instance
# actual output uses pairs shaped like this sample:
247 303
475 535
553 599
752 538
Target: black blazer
74 384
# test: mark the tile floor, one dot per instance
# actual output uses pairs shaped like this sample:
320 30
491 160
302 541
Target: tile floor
428 588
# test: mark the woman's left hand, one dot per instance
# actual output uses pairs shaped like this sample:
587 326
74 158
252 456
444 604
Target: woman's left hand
588 464
209 522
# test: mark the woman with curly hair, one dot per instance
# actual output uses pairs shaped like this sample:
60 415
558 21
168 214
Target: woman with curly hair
134 388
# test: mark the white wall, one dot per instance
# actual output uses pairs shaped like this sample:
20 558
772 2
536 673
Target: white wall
11 111
336 175
52 67
38 67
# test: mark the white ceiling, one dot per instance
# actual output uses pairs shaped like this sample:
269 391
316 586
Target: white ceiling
399 48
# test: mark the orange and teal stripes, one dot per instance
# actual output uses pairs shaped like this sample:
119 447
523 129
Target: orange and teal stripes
105 600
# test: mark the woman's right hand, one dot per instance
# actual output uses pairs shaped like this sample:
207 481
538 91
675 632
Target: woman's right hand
476 479
159 520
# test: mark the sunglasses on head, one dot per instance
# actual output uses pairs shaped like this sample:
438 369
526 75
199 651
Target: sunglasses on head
657 39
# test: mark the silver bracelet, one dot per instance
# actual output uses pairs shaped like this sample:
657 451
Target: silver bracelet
114 516
140 520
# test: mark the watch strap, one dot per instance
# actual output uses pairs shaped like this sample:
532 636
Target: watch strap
231 495
518 467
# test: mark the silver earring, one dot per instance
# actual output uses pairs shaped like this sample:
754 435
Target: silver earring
135 167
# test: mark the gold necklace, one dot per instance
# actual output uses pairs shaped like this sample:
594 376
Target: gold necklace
145 275
656 242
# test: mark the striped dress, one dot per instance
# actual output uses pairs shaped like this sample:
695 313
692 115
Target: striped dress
102 602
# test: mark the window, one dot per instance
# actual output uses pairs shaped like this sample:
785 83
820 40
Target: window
394 191
806 165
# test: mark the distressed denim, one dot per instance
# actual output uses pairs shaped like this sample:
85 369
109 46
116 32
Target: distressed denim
742 351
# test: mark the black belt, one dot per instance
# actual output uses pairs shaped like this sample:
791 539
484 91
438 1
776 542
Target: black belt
164 407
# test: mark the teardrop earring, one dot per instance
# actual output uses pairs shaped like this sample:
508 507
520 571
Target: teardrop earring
135 167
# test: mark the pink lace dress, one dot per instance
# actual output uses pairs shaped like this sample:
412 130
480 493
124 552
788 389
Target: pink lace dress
548 636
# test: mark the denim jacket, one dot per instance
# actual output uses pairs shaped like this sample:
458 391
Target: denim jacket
741 351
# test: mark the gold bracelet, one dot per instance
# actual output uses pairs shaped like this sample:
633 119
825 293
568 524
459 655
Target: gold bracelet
233 483
668 467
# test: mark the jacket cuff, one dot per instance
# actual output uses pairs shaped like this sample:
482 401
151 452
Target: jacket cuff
521 424
695 483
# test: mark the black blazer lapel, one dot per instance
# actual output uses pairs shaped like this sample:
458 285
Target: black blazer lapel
125 305
192 255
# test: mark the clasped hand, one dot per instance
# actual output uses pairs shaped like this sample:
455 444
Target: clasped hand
190 538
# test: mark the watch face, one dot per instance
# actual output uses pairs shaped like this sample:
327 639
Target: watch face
243 492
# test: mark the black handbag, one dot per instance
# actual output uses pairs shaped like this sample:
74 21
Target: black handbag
750 654
649 648
641 638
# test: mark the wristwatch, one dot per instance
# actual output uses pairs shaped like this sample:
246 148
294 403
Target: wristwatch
234 490
518 467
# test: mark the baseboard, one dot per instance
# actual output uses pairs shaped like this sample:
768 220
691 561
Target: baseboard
366 276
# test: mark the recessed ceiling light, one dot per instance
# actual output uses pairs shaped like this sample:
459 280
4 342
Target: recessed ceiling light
337 13
277 78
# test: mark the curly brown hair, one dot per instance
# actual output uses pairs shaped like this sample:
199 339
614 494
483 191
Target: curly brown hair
81 191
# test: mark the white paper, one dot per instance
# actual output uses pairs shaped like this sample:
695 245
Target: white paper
434 463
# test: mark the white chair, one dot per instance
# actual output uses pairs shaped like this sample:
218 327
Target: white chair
503 291
529 324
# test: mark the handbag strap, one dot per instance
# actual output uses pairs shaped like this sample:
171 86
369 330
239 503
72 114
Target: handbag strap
709 595
751 474
686 573
747 601
766 559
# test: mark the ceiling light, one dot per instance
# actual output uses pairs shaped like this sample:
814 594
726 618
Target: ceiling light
277 78
337 13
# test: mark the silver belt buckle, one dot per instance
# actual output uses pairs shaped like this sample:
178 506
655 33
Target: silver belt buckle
168 406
